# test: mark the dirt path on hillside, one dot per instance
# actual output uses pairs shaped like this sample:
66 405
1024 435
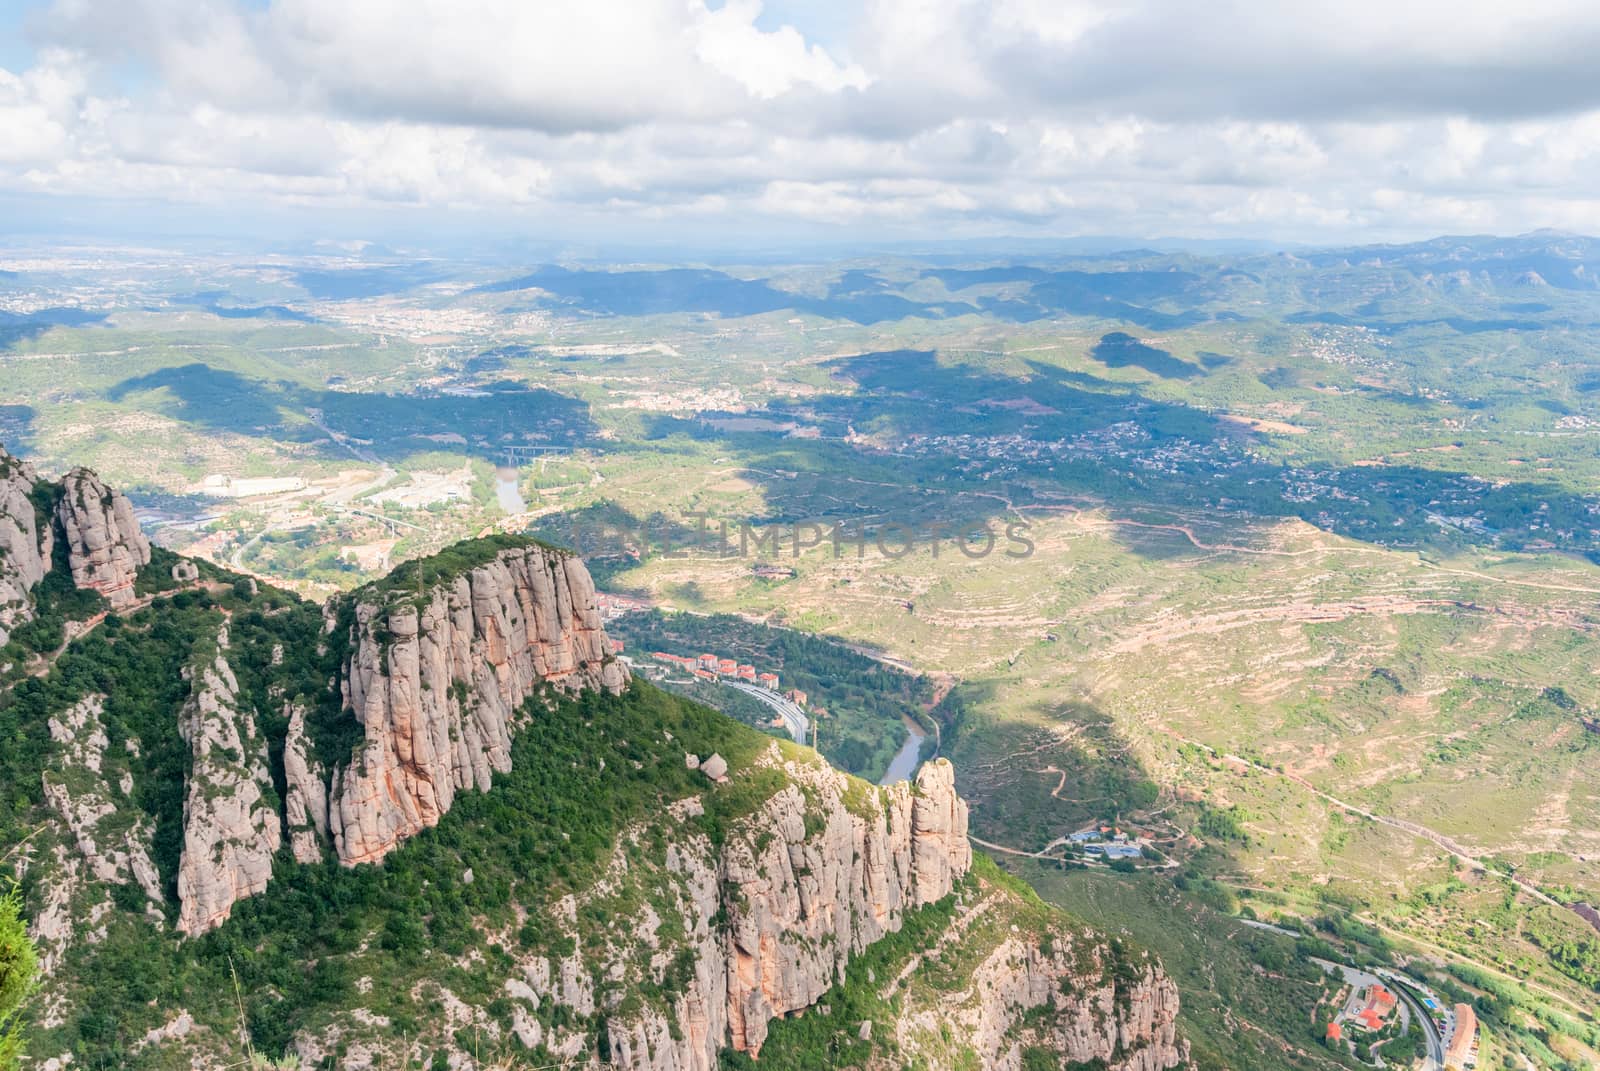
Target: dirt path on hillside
1416 829
1175 629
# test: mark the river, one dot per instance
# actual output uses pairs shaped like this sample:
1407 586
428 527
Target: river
904 763
507 491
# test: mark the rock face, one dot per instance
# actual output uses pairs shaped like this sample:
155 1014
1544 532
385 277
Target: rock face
24 544
743 898
820 872
769 919
77 788
230 818
437 682
1070 1000
305 809
104 545
800 905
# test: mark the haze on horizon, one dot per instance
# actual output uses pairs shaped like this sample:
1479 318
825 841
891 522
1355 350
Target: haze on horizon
724 123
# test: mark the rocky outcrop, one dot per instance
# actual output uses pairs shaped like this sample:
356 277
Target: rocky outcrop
800 904
114 843
230 819
772 918
727 901
305 807
25 540
105 547
768 920
1082 999
940 852
437 681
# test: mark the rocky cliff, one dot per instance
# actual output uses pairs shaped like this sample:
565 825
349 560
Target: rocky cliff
231 827
305 811
115 845
25 540
820 872
438 680
610 896
105 547
1030 981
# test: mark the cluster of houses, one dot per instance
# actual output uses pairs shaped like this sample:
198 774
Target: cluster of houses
1371 1009
613 606
712 667
1108 842
1364 1017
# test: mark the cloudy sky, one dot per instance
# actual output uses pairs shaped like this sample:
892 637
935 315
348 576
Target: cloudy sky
1305 121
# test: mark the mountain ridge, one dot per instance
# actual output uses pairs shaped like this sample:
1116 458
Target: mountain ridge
513 840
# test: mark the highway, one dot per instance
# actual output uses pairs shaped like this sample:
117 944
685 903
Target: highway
794 718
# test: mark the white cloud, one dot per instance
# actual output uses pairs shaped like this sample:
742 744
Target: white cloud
767 64
951 115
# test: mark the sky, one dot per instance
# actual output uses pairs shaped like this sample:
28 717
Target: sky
736 120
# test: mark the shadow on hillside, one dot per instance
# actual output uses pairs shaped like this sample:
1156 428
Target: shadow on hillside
935 438
612 539
388 426
1036 777
16 428
221 303
1121 350
864 297
1113 295
18 327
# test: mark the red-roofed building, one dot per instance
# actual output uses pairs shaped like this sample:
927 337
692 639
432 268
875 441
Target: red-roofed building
617 647
708 661
769 681
747 673
1462 1049
727 667
796 696
1335 1032
705 674
1380 1002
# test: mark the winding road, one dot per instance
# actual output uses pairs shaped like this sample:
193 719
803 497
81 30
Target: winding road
794 718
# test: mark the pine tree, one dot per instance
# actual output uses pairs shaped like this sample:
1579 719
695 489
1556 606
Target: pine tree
17 965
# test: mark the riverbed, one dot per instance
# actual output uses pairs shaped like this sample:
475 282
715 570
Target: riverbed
904 764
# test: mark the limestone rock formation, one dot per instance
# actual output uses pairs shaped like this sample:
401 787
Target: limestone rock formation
741 900
1086 999
940 852
230 819
773 917
437 683
1026 995
769 919
115 847
105 547
25 541
305 807
799 906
